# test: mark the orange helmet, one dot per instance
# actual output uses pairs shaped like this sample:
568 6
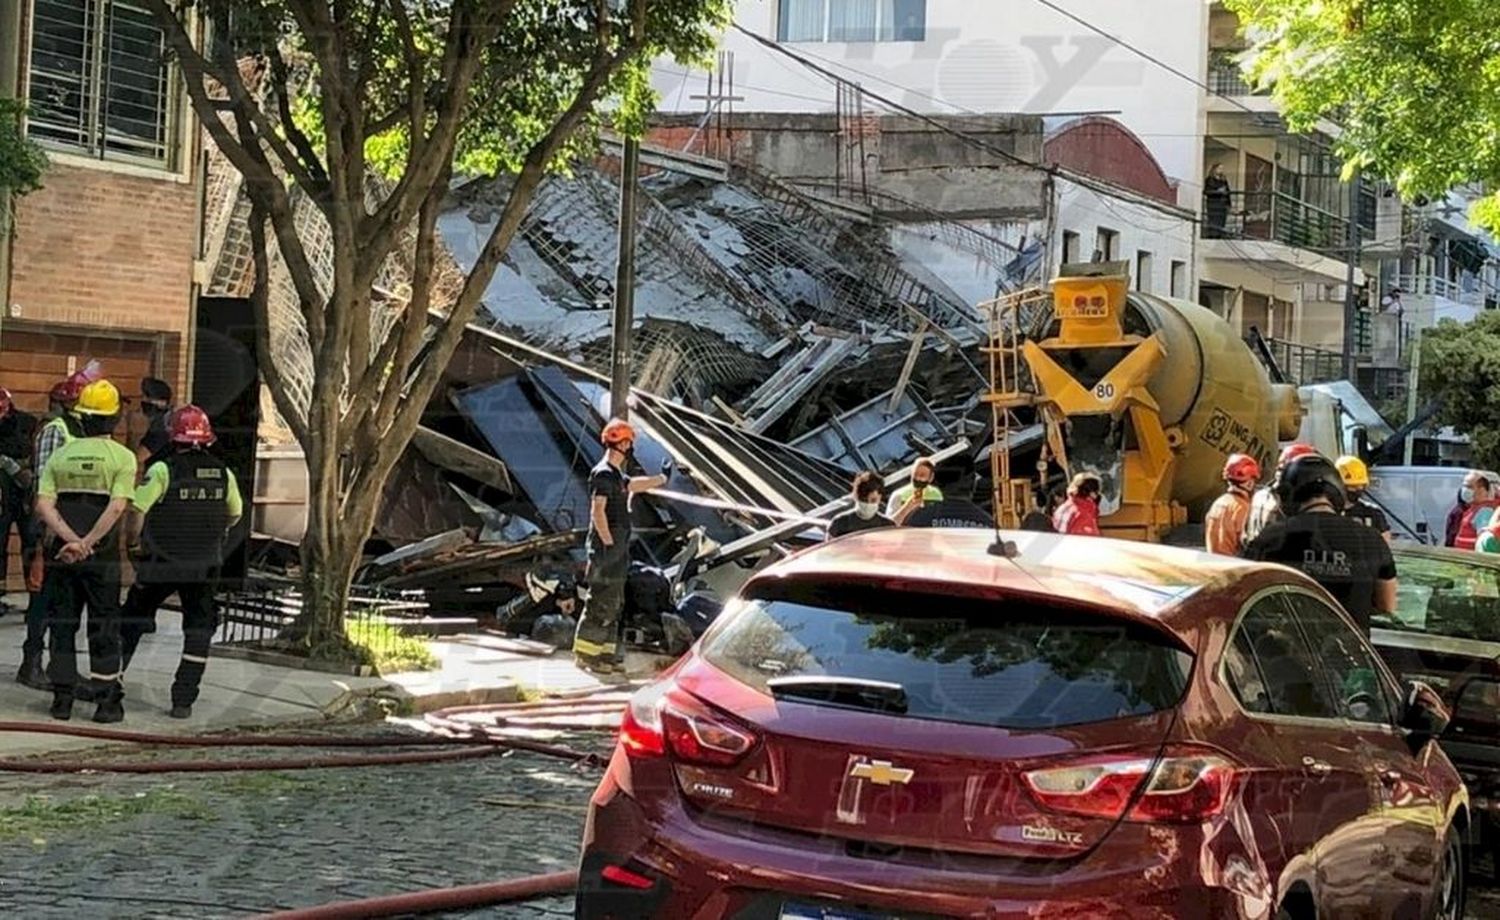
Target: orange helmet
1294 451
190 425
1241 468
617 432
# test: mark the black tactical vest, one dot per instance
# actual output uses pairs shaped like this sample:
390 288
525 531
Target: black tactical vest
187 525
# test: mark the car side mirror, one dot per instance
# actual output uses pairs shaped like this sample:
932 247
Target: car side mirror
1424 716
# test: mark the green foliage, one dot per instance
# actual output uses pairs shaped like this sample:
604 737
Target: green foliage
1414 83
387 650
532 72
21 161
1461 366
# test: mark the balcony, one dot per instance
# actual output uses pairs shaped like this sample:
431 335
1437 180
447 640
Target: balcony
1302 365
1428 299
1276 229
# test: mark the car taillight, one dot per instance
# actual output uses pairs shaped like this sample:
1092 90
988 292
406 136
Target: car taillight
663 719
1186 786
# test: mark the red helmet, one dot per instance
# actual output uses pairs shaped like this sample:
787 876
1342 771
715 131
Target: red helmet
1241 468
190 425
617 432
1294 451
68 390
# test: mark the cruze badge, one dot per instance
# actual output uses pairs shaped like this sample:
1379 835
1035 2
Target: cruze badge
882 773
1051 835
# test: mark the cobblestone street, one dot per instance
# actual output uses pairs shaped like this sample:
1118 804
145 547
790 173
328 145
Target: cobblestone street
230 845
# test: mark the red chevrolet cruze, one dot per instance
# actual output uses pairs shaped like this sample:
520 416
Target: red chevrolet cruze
915 723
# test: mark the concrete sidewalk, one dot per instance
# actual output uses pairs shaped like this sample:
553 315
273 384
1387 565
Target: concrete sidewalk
239 693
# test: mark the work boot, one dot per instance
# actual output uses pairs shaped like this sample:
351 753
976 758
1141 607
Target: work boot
86 691
595 665
62 706
111 709
181 711
32 674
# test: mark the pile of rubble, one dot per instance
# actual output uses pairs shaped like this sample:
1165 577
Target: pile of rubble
784 341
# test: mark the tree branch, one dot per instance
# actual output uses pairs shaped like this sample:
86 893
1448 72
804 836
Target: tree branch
283 77
605 64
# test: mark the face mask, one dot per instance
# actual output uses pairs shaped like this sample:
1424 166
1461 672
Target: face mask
866 510
153 410
921 483
1466 494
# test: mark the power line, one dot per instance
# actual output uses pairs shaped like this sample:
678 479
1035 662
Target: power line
1061 11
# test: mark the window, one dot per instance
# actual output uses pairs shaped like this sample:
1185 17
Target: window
1143 270
852 21
99 80
1353 676
1269 667
1179 279
1445 598
1107 245
1070 245
1010 664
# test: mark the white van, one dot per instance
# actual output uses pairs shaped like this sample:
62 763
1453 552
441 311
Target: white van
1417 498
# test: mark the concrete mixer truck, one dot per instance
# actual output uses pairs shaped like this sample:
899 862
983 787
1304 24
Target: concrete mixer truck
1151 394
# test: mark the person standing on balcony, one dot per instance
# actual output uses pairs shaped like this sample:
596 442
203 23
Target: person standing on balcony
1217 197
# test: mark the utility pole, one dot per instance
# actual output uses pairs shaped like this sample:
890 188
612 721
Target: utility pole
1412 393
1350 304
619 388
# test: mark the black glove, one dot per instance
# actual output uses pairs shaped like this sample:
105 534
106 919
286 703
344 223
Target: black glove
667 466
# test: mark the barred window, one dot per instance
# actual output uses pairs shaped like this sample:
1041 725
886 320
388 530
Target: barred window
100 81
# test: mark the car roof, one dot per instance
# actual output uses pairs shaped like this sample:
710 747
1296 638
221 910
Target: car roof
1446 554
1142 580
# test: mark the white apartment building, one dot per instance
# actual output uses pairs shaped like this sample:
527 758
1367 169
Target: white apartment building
1272 255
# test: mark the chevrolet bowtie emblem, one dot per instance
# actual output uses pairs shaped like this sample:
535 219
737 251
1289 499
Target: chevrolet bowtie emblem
882 773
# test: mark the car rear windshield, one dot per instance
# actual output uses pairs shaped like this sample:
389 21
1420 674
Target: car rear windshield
1007 663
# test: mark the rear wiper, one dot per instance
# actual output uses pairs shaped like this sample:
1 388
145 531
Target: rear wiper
854 692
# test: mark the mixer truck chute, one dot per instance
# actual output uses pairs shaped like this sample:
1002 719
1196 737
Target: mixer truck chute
1150 394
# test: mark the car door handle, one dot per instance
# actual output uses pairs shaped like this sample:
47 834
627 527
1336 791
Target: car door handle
1317 767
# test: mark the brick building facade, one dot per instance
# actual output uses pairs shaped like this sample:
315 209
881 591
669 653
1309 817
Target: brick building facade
100 264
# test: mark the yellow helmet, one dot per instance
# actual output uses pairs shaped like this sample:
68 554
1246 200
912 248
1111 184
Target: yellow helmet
1354 472
98 398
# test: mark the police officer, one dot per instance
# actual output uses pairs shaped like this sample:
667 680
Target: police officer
596 645
1346 557
61 426
85 488
17 436
1356 478
191 501
1264 507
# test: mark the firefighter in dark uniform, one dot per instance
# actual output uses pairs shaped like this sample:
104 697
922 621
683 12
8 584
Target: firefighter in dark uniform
85 488
60 427
191 501
596 645
1347 557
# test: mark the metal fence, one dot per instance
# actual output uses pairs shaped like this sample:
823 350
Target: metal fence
1275 217
261 614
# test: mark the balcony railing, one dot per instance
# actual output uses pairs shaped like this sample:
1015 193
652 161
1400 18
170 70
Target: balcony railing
1225 78
1433 285
1275 217
1304 364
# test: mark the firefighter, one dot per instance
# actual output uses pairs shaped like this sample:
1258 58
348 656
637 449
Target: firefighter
61 426
1264 508
190 501
1343 555
1079 515
1225 525
596 645
1356 476
85 488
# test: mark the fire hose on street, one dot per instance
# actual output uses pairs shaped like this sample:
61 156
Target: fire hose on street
455 733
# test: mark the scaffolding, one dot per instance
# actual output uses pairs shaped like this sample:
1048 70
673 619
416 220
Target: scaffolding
1012 319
